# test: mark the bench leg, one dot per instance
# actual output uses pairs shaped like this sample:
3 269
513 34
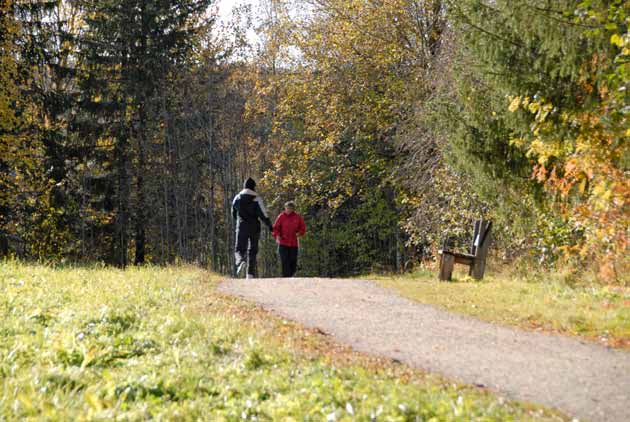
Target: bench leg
477 269
447 262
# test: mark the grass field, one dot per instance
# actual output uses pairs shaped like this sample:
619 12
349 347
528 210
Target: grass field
151 343
596 313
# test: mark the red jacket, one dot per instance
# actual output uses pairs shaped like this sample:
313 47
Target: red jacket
287 227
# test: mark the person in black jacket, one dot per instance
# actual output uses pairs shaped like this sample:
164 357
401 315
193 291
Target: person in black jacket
248 209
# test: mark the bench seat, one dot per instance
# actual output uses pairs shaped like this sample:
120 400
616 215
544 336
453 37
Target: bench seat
476 259
460 258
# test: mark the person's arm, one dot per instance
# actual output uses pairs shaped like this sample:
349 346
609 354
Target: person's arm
235 204
277 227
301 227
261 212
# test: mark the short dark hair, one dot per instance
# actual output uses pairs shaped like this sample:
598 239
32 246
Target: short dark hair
289 204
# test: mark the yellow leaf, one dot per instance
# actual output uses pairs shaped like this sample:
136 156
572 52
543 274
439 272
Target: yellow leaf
514 104
616 39
582 186
93 401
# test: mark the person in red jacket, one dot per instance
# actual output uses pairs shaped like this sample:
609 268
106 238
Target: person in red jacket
288 226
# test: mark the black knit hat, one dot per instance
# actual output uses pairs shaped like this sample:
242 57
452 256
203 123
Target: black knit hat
250 184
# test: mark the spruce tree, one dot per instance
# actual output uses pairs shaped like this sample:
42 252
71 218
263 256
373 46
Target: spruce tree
130 48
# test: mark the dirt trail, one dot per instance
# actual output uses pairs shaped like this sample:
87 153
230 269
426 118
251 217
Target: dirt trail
586 381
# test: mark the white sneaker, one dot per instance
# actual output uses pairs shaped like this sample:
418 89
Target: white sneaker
240 269
249 276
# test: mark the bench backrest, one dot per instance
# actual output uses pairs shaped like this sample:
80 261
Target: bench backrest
481 237
479 247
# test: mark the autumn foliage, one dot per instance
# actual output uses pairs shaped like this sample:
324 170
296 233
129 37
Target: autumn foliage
393 124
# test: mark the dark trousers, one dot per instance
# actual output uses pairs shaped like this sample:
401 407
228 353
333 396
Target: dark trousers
247 237
289 258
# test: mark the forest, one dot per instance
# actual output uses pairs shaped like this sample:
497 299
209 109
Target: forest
127 127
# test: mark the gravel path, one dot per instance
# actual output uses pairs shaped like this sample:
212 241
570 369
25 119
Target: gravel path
587 381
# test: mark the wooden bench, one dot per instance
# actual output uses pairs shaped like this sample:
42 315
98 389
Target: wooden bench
476 259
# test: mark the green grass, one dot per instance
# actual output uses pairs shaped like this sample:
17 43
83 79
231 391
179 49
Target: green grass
597 313
160 343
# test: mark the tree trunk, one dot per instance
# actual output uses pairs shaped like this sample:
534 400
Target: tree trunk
141 222
121 239
141 197
211 199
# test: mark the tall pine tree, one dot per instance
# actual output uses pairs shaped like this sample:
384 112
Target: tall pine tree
130 48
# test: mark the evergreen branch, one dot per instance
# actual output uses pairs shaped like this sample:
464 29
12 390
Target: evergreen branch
548 13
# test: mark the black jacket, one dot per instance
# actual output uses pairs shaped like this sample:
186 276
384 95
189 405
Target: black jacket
248 208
